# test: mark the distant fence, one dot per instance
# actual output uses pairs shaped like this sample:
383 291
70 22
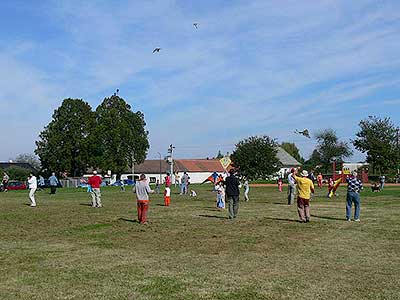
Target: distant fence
70 182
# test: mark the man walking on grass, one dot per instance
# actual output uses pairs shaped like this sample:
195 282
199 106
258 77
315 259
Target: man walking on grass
304 189
354 186
142 195
232 193
53 181
95 182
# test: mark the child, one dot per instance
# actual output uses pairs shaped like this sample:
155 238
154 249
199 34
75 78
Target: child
193 193
122 186
246 190
158 186
220 196
319 180
167 196
330 185
280 184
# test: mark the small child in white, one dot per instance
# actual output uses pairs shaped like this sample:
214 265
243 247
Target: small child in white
220 196
193 193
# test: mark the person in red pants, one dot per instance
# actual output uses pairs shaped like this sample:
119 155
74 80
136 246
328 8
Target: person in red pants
143 190
167 196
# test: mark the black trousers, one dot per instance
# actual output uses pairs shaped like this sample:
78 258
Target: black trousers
53 189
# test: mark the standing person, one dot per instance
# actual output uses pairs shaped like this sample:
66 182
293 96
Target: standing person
95 182
142 195
319 180
232 192
305 187
122 185
291 187
280 184
168 180
53 181
32 183
184 183
354 186
220 195
5 181
246 187
381 182
176 181
41 182
157 186
167 196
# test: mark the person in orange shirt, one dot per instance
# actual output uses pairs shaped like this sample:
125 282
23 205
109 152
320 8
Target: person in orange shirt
167 196
305 187
319 180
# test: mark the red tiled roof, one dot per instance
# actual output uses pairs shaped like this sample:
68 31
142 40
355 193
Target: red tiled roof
199 165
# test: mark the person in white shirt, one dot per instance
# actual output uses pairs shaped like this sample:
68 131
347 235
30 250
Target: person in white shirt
291 187
32 182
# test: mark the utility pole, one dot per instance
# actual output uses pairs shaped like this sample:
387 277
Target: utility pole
160 167
171 161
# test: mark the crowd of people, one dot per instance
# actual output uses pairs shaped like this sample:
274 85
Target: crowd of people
300 187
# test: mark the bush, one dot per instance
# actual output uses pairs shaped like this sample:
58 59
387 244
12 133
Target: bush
18 173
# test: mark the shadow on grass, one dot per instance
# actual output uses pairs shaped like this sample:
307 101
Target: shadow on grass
282 219
85 204
128 220
328 218
280 203
213 216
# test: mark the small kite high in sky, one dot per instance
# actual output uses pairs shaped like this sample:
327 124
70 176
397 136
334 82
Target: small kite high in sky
156 50
196 25
304 133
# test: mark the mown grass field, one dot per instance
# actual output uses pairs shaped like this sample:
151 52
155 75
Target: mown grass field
65 249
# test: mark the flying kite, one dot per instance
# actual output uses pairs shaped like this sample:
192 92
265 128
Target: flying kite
156 50
196 25
304 132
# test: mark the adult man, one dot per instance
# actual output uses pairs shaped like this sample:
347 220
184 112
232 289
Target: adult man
184 183
354 186
305 187
53 181
142 195
95 182
232 193
382 182
32 182
291 187
6 178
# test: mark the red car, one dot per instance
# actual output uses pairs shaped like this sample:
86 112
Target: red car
16 185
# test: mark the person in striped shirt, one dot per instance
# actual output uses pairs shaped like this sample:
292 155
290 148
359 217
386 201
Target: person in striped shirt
354 186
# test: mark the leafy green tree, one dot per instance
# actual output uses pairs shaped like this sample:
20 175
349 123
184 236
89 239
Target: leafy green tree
292 149
378 138
328 148
65 143
121 136
29 158
256 157
18 173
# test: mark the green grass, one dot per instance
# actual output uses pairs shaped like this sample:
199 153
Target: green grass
65 249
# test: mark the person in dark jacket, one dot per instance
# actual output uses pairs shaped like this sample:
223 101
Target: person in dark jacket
232 193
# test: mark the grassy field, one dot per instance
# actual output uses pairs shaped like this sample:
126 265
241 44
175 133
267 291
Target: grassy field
65 249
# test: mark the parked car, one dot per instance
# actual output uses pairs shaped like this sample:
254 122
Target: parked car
126 182
16 185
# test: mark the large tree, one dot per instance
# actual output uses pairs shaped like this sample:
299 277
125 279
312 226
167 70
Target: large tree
256 157
378 138
29 158
121 135
292 149
64 144
329 148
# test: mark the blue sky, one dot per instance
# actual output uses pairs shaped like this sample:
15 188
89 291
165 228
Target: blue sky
251 68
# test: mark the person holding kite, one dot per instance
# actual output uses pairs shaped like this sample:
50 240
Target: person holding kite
333 186
305 187
354 186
